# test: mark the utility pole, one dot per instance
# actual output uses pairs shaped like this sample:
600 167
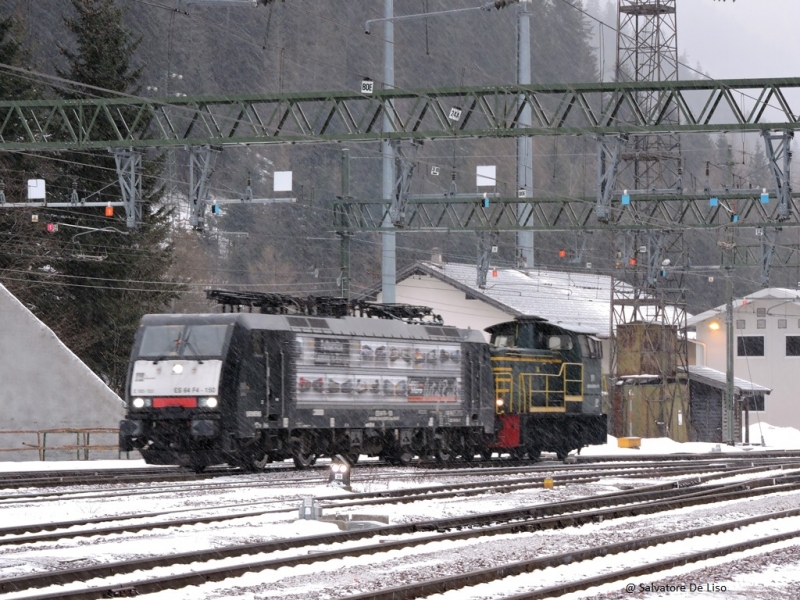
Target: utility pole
525 254
728 402
345 236
524 145
388 238
728 413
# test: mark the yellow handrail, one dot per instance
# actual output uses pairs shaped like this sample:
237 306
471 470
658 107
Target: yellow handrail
554 394
504 390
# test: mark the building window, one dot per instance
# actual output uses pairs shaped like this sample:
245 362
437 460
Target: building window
793 345
751 345
782 324
761 324
740 323
761 312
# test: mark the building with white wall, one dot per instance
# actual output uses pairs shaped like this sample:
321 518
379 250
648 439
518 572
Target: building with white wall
579 300
766 350
44 386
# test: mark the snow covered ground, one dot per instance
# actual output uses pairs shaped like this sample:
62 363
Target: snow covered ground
774 438
768 572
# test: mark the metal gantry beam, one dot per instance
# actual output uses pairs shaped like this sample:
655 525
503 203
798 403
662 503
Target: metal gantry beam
648 211
201 164
778 146
488 111
129 172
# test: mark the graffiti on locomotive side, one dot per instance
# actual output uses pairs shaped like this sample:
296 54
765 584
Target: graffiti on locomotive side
371 354
331 369
321 386
433 389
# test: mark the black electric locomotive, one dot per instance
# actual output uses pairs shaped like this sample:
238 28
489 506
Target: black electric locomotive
248 388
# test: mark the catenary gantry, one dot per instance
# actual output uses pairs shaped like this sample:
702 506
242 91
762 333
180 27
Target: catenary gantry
488 111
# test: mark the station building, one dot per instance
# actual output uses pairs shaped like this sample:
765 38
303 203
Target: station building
766 327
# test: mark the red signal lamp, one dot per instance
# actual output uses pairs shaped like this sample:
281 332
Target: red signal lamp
562 253
109 210
52 227
632 262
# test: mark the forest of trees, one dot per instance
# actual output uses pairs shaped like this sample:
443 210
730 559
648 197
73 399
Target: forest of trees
93 288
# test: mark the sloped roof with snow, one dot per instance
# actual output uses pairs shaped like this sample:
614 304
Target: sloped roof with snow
717 379
764 294
578 300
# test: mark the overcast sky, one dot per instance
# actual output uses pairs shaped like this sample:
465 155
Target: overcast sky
742 39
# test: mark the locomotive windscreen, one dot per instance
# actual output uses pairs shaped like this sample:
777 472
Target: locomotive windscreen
183 340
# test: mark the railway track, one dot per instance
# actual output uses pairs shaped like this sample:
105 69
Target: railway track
580 557
168 474
59 478
34 479
655 499
31 533
350 500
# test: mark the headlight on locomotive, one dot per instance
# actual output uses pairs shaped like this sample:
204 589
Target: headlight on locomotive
210 402
142 402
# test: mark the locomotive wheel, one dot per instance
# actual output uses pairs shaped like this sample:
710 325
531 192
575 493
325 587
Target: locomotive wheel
251 458
396 457
198 467
444 452
535 454
352 458
258 461
486 453
516 453
562 453
404 457
303 460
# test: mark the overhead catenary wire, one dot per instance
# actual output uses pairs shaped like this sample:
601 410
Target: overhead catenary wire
290 3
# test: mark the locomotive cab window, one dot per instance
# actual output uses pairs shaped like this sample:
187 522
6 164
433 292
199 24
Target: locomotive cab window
504 341
505 337
591 347
183 340
559 342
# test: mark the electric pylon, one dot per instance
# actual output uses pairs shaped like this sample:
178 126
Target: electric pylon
648 298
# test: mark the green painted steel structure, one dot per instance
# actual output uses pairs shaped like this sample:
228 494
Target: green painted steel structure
646 211
470 112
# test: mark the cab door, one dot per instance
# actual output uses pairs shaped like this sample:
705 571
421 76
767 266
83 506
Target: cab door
252 386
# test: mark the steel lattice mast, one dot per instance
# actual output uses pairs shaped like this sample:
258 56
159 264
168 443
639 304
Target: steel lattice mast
648 309
647 51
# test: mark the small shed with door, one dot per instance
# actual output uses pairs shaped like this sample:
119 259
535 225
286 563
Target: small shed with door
707 389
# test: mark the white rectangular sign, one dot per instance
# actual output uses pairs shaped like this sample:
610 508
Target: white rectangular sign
486 176
36 189
282 181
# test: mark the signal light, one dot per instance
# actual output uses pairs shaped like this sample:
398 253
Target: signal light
109 210
52 227
632 262
562 253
